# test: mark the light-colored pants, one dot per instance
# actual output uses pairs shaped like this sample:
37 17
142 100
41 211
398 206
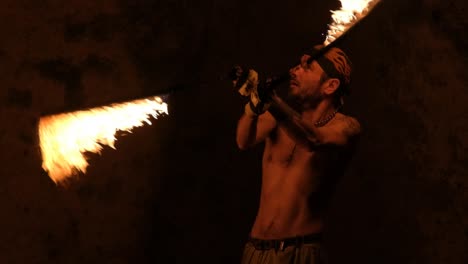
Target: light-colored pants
304 254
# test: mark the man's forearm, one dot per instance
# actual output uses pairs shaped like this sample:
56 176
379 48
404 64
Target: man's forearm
246 131
291 120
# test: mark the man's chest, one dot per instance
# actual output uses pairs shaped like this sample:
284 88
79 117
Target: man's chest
281 147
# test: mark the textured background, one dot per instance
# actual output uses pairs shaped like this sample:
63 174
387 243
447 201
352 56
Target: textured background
180 190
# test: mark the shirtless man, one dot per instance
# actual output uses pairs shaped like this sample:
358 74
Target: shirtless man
308 142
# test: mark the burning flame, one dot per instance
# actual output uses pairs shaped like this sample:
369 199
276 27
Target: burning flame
65 137
351 12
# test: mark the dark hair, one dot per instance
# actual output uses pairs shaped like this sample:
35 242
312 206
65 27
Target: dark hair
339 92
336 64
323 78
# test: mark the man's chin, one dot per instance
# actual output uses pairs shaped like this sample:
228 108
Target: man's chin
293 91
292 95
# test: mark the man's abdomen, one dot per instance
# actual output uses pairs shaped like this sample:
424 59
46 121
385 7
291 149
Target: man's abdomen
284 203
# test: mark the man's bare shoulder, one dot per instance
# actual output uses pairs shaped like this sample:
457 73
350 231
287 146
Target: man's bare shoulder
349 125
340 131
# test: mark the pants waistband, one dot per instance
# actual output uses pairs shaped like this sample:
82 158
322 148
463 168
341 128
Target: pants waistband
280 244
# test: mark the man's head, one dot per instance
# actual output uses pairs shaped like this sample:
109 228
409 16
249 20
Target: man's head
328 76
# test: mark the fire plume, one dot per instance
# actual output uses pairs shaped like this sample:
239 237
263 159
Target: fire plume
351 12
64 138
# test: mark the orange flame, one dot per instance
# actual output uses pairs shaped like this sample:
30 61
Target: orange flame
351 12
65 137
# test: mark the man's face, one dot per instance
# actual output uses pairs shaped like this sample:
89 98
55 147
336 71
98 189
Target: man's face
305 83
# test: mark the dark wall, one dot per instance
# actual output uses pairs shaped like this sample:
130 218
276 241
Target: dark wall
180 190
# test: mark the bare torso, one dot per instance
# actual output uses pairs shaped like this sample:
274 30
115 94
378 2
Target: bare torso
296 184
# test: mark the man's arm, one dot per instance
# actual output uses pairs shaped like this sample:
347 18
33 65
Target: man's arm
252 129
337 133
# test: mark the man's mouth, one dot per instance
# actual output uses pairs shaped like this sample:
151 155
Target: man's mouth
293 83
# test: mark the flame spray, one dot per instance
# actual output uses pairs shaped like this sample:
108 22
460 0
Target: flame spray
351 12
64 138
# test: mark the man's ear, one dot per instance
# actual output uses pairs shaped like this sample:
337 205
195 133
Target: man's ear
331 85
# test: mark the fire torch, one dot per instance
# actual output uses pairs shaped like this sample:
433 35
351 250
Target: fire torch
344 19
65 137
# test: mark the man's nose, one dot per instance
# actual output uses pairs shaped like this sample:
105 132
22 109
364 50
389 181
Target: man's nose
292 71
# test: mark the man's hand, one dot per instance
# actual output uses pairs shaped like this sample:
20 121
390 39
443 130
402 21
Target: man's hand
260 101
248 85
247 82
